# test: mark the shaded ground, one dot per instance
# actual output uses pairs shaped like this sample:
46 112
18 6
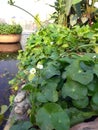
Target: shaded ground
8 70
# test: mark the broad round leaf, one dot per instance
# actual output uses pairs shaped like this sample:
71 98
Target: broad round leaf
82 103
49 93
76 73
74 90
52 116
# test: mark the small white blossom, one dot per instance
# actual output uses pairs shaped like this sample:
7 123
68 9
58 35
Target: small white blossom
94 56
51 43
90 2
96 4
39 66
79 71
32 71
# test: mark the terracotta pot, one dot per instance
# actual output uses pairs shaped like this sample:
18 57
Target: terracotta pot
10 47
11 38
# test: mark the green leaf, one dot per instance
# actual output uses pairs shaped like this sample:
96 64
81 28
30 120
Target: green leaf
95 98
95 69
48 93
93 86
94 107
76 73
3 109
51 116
77 116
77 8
22 126
68 6
82 103
83 77
50 71
75 1
65 60
28 87
74 90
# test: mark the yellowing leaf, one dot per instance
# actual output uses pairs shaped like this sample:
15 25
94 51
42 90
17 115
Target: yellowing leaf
16 88
96 49
30 77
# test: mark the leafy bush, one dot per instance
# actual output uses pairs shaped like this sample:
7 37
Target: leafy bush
61 76
70 13
10 29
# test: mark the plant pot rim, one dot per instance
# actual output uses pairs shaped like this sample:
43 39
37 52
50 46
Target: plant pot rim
10 38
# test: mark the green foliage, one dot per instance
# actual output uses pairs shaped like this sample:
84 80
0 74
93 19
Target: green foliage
60 70
10 29
73 12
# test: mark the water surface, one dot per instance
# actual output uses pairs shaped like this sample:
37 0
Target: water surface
8 70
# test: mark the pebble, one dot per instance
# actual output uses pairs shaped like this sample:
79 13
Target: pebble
20 97
25 104
92 125
19 110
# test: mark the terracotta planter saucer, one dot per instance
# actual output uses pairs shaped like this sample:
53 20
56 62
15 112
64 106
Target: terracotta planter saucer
10 47
11 38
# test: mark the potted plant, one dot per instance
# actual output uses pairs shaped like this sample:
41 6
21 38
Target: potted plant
10 34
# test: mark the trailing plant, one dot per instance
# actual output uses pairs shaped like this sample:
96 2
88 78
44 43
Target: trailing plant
10 29
60 70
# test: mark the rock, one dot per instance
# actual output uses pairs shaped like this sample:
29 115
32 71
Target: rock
19 110
25 104
20 96
22 107
93 125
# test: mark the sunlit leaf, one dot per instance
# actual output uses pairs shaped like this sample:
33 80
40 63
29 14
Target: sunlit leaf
76 1
3 109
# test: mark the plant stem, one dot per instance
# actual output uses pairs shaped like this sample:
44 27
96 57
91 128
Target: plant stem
27 13
87 45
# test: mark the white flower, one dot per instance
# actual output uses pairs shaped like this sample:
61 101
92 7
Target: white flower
39 66
79 71
51 43
96 4
94 56
90 2
32 71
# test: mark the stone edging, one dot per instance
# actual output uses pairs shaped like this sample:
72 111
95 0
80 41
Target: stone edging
20 108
